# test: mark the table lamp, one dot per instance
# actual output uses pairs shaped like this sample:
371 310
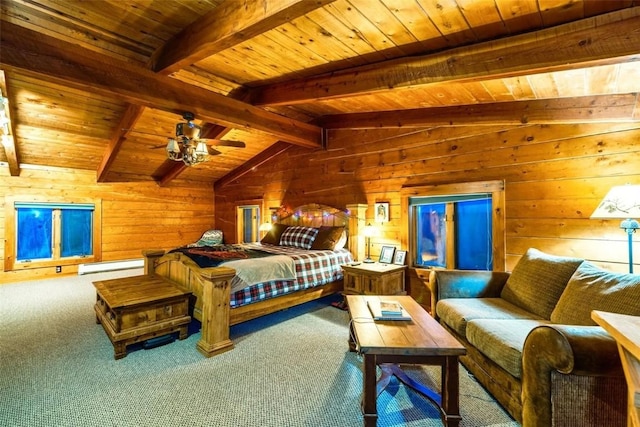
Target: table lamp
265 227
622 202
369 231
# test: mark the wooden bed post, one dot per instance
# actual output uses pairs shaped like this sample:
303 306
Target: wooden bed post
216 297
357 215
150 258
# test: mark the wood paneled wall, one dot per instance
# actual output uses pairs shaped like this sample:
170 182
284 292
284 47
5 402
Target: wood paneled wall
555 176
135 215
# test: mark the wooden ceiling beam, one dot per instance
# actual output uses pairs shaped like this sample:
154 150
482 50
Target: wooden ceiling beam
57 61
592 109
608 39
225 26
127 122
7 130
172 170
264 156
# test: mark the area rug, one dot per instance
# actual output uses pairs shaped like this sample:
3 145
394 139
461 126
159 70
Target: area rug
290 369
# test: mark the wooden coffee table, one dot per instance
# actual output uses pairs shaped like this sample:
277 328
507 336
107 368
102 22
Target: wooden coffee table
421 340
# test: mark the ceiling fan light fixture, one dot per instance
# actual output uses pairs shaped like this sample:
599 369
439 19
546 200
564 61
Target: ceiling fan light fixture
201 149
186 146
192 153
173 150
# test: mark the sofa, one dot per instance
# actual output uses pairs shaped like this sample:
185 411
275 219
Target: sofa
531 341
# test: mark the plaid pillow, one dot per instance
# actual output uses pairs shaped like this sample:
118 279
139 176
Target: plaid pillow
299 237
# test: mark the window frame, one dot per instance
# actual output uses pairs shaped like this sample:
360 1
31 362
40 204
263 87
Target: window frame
10 262
495 188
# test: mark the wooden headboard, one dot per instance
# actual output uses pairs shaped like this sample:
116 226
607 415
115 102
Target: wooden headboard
316 215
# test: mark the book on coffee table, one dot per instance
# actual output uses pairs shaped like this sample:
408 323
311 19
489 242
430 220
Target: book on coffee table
390 307
387 310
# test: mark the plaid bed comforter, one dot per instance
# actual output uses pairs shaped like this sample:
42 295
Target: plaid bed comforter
313 268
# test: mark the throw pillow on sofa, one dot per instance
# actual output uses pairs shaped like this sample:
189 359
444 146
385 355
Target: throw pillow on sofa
537 281
591 288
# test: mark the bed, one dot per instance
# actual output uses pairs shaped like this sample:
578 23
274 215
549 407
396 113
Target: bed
218 299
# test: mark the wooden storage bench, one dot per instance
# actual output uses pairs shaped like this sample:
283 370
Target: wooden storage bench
138 308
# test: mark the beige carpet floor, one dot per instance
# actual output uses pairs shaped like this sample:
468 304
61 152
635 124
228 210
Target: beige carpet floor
290 369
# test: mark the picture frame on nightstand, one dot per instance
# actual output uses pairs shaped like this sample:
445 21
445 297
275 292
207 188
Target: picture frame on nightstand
400 257
386 254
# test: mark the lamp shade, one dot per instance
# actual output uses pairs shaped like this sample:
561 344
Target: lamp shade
369 230
265 226
201 149
621 202
172 146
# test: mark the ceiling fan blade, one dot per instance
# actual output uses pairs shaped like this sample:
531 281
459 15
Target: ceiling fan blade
228 143
213 151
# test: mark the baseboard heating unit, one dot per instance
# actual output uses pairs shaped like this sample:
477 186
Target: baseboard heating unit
100 267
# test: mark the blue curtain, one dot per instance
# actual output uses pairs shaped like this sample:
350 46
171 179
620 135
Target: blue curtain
34 233
474 235
76 232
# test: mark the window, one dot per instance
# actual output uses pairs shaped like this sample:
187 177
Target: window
457 226
44 234
467 219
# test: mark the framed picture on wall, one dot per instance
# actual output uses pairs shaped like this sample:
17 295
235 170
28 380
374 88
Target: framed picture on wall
382 212
400 257
386 254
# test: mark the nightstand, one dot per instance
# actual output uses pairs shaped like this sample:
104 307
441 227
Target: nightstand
374 279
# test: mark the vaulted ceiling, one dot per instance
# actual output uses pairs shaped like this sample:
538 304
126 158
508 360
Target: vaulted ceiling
100 85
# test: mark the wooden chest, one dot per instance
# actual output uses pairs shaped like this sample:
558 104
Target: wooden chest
135 309
374 279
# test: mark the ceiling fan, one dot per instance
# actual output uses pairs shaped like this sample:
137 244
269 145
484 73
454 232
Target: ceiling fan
188 145
194 131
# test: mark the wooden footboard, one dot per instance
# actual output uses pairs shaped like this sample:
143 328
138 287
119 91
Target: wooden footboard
211 288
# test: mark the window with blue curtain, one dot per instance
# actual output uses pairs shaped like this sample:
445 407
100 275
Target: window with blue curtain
76 226
474 246
34 233
469 223
43 227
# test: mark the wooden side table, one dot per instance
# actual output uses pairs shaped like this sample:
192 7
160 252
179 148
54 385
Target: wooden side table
374 279
626 331
138 308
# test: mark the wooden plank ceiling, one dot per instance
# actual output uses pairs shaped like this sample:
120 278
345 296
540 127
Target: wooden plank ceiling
100 85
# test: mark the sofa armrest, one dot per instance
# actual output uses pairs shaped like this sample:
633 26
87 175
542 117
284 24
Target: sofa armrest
465 284
571 350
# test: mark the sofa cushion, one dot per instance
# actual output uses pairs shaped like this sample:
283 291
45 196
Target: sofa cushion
537 281
502 340
591 288
457 312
